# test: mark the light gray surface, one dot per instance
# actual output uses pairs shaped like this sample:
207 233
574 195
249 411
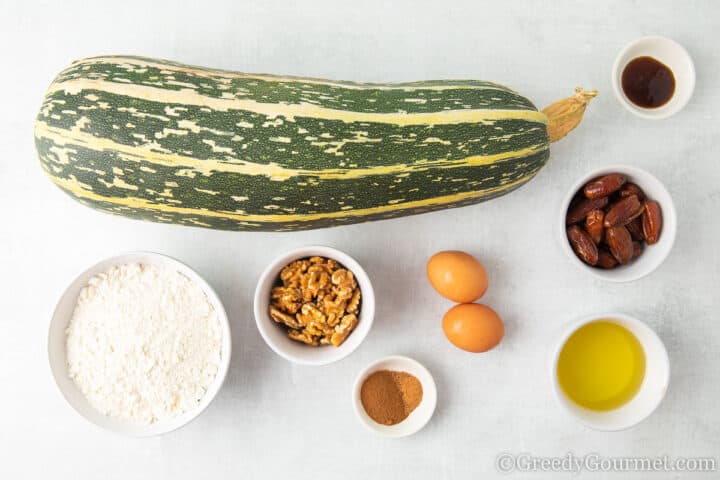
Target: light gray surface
272 417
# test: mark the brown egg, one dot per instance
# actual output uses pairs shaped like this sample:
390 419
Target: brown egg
473 327
457 276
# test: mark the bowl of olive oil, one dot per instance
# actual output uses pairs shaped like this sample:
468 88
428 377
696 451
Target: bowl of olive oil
610 371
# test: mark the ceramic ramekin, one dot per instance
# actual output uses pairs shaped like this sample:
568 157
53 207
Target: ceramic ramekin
651 392
419 417
653 255
668 52
276 335
57 347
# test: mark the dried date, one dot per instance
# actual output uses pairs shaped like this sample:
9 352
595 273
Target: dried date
594 225
604 186
581 207
620 244
623 211
636 230
632 189
582 244
651 222
606 259
637 249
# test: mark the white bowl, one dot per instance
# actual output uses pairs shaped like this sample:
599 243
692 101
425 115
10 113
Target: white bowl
668 52
419 417
652 255
58 359
651 392
276 335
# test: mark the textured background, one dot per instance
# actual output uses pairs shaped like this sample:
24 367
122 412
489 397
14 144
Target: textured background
272 417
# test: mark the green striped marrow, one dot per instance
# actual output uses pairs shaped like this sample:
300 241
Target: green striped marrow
167 142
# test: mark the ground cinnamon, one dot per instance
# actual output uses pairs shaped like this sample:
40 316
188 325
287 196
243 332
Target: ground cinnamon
389 397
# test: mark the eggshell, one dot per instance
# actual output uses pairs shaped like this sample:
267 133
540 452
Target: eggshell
457 276
473 327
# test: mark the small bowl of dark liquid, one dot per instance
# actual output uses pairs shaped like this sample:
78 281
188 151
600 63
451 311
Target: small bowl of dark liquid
654 77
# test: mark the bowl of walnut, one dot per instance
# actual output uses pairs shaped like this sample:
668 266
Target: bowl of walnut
314 305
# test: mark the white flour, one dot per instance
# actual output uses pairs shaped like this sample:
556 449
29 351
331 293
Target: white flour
143 343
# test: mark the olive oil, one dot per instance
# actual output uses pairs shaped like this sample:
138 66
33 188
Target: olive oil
601 366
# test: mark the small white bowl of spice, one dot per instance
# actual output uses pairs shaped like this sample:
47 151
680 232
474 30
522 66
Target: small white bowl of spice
394 396
139 344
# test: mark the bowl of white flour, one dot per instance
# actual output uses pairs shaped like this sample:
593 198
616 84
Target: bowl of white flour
139 344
